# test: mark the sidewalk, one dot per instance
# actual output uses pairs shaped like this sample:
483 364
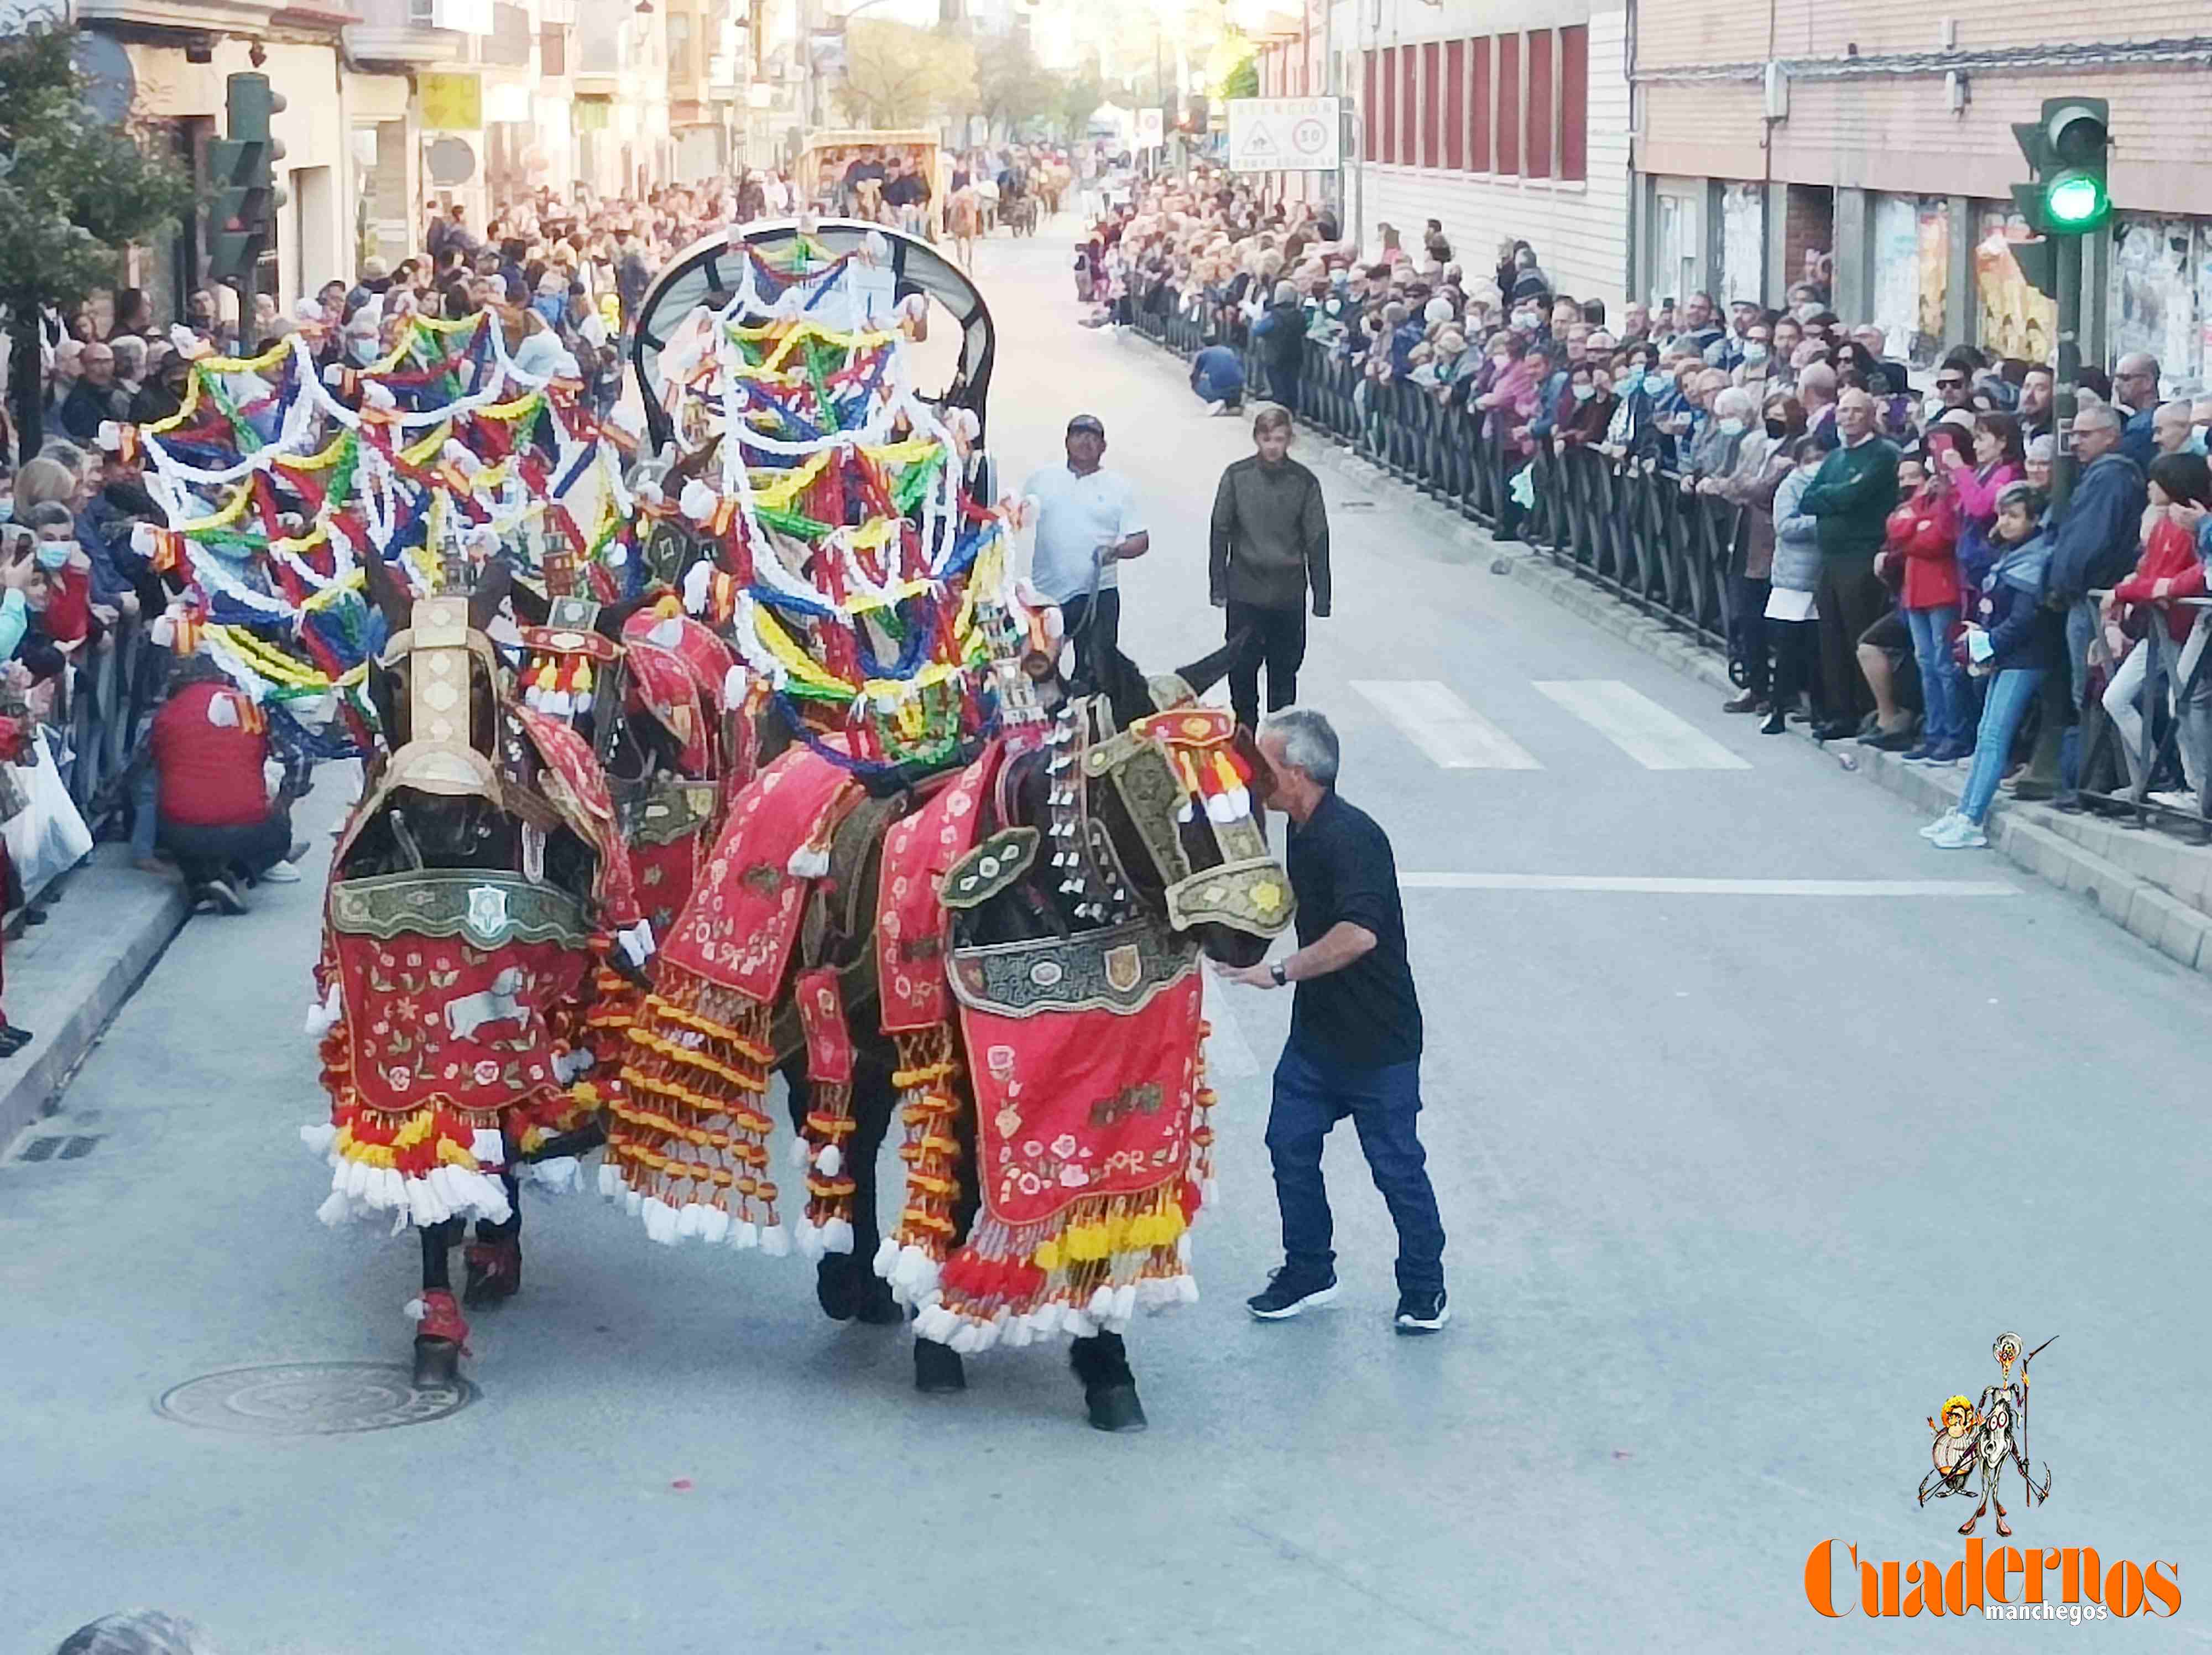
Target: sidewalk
107 924
2149 882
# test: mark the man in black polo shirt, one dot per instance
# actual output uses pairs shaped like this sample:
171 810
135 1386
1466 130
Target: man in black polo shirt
1355 1044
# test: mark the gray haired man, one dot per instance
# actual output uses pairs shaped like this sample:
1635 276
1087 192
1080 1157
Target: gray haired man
2093 544
1355 1044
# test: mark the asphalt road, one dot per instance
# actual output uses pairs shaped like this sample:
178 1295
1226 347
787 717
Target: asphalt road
1742 1175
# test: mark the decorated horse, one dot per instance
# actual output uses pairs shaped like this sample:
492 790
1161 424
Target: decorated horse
959 896
479 893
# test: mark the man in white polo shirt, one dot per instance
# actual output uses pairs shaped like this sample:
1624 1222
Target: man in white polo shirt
1087 522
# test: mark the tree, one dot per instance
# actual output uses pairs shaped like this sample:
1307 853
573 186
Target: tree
75 192
1243 81
1080 98
897 75
1012 88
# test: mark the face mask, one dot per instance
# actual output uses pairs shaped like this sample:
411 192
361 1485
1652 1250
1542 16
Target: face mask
55 554
1584 392
1732 426
7 509
1755 351
364 351
1500 361
1774 428
1654 384
2196 446
1524 323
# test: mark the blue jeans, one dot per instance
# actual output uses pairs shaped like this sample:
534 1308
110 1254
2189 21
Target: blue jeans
1942 685
1312 1094
2011 693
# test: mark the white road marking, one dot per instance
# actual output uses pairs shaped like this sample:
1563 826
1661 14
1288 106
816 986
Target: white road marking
1229 1055
1641 727
1682 887
1445 728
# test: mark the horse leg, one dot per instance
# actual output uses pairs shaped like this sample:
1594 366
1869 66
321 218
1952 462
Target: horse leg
937 1366
493 1259
875 1102
1109 1388
442 1337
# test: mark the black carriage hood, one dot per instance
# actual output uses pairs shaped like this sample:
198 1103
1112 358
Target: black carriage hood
706 266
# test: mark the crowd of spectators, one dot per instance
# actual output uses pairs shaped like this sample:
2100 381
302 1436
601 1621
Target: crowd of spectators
563 278
1888 518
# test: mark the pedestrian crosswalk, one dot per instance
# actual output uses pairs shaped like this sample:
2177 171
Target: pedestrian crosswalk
1445 728
1641 727
1455 737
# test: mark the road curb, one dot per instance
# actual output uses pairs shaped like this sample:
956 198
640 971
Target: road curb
110 924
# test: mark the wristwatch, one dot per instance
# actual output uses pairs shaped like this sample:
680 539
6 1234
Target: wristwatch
1276 972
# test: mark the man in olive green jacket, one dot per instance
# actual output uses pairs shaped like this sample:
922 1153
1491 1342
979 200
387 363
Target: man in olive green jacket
1270 547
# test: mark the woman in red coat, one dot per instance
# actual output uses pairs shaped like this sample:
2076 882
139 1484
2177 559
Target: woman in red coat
1923 533
2169 570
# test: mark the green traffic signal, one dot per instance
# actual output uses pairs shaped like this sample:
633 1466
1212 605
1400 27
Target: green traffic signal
2074 202
2066 152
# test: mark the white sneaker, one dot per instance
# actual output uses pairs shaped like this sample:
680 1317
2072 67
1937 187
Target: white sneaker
2176 800
280 873
1939 824
1959 834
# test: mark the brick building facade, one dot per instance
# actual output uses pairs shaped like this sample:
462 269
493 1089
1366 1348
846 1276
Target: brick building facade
1500 119
1874 137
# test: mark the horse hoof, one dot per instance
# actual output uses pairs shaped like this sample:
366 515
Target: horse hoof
937 1369
494 1271
1114 1408
834 1288
437 1364
877 1307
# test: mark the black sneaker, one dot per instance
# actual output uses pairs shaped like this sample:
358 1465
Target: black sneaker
1287 1294
1422 1312
225 899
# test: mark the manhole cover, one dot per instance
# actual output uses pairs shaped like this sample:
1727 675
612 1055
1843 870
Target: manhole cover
311 1399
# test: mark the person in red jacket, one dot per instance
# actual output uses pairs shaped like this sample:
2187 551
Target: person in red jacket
1923 535
2170 569
209 743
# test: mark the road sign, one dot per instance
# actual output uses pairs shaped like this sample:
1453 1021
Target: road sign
1152 129
451 102
1284 134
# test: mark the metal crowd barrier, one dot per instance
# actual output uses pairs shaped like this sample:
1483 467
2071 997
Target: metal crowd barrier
1622 525
109 693
2167 699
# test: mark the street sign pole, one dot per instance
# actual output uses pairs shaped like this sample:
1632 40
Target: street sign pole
2069 299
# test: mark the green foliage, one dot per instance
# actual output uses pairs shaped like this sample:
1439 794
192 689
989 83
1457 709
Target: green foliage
1080 98
897 75
1243 81
74 191
1012 87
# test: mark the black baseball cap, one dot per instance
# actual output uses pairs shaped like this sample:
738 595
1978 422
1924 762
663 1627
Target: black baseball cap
1087 422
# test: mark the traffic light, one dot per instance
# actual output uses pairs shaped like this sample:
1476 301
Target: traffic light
2066 155
243 197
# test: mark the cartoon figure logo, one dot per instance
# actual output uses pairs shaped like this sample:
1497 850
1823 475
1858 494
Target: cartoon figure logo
1975 1441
